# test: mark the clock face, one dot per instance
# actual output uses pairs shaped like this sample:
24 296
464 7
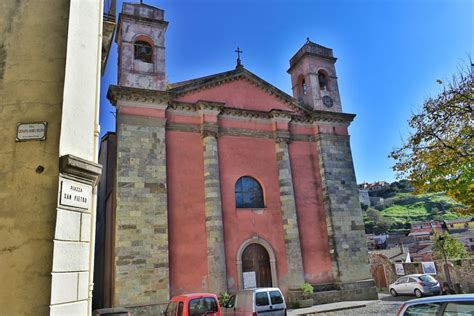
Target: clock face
327 101
144 82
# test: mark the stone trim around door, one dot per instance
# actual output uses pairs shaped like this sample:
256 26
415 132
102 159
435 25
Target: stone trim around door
271 254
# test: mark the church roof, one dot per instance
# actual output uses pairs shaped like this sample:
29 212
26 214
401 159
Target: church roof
184 87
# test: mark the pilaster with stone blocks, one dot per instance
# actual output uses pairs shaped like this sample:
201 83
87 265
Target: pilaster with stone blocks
216 278
295 276
71 291
343 212
141 227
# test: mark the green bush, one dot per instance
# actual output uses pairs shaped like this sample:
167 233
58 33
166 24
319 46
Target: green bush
307 290
224 298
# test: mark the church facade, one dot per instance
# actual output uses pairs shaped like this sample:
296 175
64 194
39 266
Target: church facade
224 182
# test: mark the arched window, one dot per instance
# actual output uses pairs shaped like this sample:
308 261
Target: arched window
248 193
305 88
323 81
143 51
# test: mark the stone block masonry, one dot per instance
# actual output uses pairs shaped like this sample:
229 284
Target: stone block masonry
141 228
343 212
290 220
214 224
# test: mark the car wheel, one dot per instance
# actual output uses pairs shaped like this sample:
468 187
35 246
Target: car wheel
393 292
418 293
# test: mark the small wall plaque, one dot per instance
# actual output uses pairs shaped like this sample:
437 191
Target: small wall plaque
75 194
250 280
31 131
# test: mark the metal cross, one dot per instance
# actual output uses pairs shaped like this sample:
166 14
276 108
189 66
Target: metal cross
238 51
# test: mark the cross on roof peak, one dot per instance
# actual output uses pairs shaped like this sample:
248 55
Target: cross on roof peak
239 64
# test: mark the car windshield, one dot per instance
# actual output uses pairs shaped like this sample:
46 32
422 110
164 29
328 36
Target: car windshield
203 306
427 278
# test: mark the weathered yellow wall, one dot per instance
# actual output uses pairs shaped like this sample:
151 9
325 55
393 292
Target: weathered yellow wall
33 36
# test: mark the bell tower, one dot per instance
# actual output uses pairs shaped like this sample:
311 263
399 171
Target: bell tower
313 77
141 47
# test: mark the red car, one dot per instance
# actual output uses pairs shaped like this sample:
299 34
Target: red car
196 304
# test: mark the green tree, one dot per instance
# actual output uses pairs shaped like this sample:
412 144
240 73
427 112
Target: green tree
381 224
453 248
439 153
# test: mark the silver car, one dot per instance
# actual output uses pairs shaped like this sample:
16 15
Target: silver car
415 284
446 305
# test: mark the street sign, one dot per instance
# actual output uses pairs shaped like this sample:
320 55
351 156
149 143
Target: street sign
31 131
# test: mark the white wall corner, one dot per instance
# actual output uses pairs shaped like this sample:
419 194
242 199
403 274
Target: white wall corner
83 287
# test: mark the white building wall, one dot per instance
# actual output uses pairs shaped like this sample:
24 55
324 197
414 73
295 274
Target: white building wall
72 272
82 80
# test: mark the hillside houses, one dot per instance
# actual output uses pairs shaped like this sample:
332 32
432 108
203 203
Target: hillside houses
419 242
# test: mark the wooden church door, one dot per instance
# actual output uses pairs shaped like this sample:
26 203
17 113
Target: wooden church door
255 258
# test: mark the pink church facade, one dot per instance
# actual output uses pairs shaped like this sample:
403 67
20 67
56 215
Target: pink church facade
224 182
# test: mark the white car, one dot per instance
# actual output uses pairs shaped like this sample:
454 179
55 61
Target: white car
415 284
258 301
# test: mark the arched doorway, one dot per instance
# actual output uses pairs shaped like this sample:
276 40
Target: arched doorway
255 258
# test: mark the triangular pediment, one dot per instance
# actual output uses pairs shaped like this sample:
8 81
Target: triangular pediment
238 89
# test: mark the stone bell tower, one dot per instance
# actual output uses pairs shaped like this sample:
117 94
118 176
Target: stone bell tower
140 275
141 46
313 77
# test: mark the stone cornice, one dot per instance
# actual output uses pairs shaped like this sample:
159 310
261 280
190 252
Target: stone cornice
326 116
142 19
315 116
117 93
245 113
80 168
280 115
183 106
210 106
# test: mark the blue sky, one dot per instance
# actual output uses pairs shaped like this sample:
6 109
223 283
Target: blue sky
390 54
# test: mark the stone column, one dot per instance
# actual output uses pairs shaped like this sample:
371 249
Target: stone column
344 215
295 276
216 260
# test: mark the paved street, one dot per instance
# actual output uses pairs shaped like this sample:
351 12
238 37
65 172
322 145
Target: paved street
387 305
377 308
